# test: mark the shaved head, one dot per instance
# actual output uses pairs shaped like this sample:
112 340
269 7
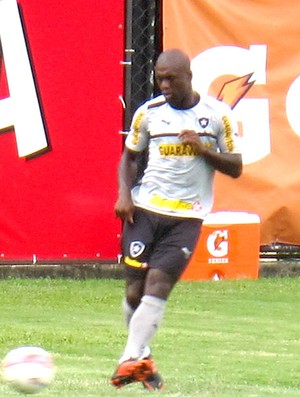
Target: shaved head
176 58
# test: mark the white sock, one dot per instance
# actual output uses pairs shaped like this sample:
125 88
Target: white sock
128 312
143 325
146 353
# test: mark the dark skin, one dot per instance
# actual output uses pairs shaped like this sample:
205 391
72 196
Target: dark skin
173 77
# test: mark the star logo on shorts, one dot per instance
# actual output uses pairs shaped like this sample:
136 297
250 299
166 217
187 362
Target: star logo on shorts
136 248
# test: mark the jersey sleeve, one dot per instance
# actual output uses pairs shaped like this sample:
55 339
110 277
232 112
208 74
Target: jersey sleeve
138 136
228 137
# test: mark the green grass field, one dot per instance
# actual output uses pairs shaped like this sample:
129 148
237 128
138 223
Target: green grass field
218 339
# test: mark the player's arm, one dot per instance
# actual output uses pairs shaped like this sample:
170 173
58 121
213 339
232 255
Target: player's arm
124 207
135 143
227 163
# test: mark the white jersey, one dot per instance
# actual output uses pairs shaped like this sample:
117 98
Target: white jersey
176 181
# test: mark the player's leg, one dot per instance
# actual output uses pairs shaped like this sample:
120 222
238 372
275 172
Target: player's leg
136 363
134 293
143 313
148 316
147 320
136 238
168 261
136 245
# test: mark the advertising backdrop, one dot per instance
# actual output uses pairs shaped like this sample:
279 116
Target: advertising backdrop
247 54
60 117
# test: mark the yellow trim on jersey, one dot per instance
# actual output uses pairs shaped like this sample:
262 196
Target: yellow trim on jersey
228 133
136 129
134 263
174 205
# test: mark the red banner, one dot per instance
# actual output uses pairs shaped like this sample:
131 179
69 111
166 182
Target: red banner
61 114
247 54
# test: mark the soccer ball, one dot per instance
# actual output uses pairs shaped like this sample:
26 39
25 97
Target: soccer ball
28 369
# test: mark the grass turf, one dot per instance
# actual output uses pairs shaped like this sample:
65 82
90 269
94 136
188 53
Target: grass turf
218 339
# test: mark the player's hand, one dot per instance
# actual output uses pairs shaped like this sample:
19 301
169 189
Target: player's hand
190 137
124 209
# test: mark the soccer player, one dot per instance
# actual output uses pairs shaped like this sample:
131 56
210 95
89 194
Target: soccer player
187 137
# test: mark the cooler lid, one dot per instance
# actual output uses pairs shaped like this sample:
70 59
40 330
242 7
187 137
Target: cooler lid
229 217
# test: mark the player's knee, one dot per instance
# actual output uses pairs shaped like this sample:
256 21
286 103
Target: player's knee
159 284
133 298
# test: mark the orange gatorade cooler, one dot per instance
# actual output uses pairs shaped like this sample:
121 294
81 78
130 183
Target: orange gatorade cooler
228 248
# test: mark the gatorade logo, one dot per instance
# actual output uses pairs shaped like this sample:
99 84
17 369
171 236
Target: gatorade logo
217 243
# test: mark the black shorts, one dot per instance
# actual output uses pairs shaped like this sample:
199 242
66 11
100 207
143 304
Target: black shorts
158 241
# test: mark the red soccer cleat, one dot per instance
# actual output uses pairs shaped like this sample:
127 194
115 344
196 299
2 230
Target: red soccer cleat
131 371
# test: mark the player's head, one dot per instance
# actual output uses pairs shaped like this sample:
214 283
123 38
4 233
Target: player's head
173 76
